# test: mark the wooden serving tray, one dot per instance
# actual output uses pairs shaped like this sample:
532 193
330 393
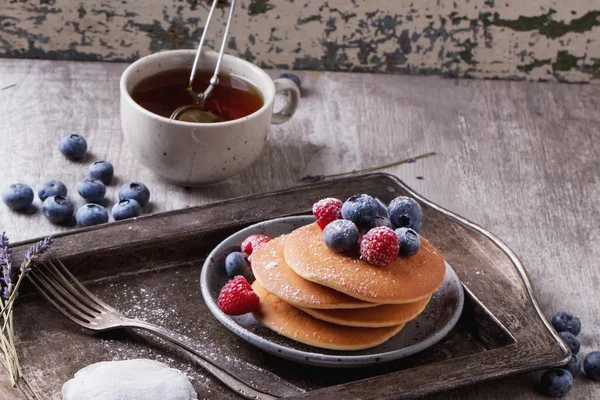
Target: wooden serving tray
149 268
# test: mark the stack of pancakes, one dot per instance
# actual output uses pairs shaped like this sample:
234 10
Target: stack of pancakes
316 296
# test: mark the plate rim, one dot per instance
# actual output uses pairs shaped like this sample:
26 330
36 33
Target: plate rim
313 358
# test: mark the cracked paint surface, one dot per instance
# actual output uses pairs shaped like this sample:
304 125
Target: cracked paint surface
534 40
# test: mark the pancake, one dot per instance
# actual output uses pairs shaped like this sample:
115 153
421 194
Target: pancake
271 270
374 317
403 280
289 321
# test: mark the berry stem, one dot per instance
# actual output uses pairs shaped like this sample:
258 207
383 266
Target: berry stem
318 178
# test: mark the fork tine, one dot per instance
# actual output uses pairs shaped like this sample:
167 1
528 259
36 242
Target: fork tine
76 282
60 290
43 289
51 271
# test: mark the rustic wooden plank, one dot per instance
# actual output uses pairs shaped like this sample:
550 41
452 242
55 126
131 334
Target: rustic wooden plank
510 39
518 158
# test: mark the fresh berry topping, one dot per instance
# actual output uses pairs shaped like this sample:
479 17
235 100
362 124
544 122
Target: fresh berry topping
571 341
405 212
17 196
126 209
237 297
379 221
91 214
52 188
564 321
340 235
591 365
379 246
556 382
72 146
253 243
573 366
91 189
360 209
327 210
136 191
236 264
58 209
102 170
409 241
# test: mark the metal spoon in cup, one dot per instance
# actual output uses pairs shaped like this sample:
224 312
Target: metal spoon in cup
195 112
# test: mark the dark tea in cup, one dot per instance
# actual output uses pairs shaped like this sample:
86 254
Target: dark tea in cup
232 98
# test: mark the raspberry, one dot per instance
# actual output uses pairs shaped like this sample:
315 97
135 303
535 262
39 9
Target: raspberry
252 243
327 210
237 297
379 246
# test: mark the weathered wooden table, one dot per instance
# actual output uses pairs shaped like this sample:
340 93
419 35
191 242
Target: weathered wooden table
519 158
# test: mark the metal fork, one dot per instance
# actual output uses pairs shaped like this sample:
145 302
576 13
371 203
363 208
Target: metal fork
76 303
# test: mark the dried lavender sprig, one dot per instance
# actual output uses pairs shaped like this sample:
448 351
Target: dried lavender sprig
319 178
4 240
35 251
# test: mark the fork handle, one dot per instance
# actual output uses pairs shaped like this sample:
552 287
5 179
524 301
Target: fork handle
262 383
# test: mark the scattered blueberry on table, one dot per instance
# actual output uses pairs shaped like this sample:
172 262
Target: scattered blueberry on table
58 209
591 365
340 235
409 241
571 341
293 77
51 188
405 212
564 321
360 209
91 189
91 214
136 191
72 146
17 196
102 170
556 382
236 264
573 366
126 209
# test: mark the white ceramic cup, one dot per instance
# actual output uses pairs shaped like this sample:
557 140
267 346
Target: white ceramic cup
200 154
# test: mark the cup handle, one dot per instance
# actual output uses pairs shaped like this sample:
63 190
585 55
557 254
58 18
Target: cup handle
289 109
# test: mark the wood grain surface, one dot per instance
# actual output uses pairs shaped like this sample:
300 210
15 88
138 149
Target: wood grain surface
521 159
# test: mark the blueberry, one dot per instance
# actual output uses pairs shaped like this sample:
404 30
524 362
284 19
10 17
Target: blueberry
405 212
126 209
102 170
409 241
17 196
564 321
557 382
591 365
293 77
91 214
236 264
571 341
72 146
379 221
91 189
360 209
135 190
340 235
573 366
52 188
58 209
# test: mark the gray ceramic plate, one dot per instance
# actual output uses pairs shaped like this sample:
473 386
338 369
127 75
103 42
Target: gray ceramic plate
439 317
